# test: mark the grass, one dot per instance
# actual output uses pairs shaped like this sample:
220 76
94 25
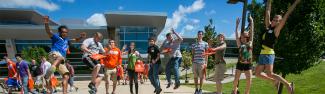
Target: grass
211 72
311 81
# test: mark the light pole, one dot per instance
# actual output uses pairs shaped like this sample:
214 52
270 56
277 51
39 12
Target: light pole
244 12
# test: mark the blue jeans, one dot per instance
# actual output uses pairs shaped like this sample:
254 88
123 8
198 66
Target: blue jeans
173 65
24 82
153 75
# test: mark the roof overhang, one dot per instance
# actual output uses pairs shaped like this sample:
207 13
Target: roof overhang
154 19
37 32
8 14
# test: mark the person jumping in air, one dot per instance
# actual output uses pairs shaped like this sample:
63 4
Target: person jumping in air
267 54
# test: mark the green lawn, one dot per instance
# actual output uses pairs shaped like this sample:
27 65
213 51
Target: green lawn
311 81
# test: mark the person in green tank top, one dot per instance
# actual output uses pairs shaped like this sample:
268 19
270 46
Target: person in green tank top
267 54
244 64
133 56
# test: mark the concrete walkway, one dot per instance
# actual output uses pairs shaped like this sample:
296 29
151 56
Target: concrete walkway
145 88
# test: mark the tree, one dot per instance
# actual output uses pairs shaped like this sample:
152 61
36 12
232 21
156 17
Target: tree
187 62
302 40
33 53
210 37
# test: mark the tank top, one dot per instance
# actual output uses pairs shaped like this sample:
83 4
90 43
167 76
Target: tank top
244 54
132 59
268 41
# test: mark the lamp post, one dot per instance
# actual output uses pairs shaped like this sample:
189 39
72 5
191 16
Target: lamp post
244 12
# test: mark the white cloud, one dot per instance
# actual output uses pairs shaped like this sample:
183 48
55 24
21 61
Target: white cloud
44 4
179 15
225 21
97 19
233 35
209 13
120 8
189 27
69 1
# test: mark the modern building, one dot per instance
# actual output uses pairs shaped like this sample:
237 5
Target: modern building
22 28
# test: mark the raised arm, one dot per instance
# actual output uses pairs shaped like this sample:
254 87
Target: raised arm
251 31
285 17
236 32
47 26
267 21
123 50
179 38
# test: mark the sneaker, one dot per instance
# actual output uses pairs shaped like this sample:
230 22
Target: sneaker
168 85
200 91
92 92
177 86
158 91
196 91
92 86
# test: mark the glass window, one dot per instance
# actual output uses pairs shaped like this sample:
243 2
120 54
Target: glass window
3 50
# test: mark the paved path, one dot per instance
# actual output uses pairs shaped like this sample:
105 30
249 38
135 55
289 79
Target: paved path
145 88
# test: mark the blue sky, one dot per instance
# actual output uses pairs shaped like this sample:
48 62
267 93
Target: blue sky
187 16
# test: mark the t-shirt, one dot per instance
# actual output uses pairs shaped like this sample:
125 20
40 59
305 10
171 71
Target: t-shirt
45 66
153 51
132 58
92 46
220 54
199 49
35 70
11 69
113 58
175 46
59 44
22 67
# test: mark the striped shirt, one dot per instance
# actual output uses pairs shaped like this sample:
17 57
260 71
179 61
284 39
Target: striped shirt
199 49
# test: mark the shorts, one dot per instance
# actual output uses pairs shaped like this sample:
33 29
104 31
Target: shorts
62 69
91 63
197 69
110 73
266 59
53 55
13 83
243 67
219 72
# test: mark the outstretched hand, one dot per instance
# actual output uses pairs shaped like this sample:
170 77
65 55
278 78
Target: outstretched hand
237 21
46 19
250 18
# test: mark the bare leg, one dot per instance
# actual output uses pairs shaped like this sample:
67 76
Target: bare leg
219 87
202 78
95 73
65 83
114 86
248 75
106 84
236 79
195 77
258 73
269 72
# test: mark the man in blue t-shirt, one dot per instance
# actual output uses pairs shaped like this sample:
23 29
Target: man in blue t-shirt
57 56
